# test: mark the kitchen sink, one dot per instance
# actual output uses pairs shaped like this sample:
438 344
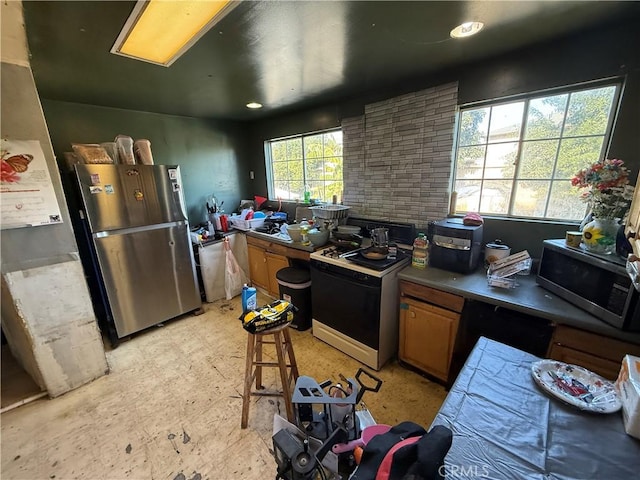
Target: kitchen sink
274 236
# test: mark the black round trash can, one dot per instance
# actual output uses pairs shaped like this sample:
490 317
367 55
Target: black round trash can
295 287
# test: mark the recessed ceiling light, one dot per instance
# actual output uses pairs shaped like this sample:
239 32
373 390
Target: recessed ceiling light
254 105
466 29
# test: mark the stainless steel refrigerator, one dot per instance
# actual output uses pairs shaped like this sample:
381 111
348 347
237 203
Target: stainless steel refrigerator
138 233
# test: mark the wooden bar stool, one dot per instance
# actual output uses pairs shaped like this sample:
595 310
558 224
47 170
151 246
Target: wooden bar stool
254 365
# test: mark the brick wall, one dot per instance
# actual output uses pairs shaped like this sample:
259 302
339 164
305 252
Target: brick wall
397 156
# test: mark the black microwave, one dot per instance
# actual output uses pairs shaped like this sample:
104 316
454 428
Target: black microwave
598 284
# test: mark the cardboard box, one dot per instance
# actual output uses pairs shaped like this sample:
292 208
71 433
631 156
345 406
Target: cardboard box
628 387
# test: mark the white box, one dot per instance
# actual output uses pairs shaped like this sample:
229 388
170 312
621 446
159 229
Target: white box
628 387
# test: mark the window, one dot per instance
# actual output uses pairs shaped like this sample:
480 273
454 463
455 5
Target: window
313 161
517 159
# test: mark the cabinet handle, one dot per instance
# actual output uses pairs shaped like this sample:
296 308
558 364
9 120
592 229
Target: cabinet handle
413 314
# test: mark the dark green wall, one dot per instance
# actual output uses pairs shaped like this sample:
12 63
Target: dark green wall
600 53
211 155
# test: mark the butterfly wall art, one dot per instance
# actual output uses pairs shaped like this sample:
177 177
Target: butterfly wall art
13 165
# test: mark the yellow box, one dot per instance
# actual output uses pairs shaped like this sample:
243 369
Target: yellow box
628 387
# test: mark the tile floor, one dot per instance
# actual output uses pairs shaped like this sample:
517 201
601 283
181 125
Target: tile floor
170 408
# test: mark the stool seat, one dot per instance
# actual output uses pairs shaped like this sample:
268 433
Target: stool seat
286 364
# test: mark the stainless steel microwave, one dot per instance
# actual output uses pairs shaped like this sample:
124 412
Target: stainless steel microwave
598 284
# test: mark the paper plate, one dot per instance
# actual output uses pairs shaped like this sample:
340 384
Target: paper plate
576 386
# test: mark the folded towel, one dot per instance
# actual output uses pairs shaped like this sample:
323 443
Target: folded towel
472 219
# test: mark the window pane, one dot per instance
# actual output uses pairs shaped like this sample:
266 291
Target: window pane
278 151
577 153
315 169
282 190
295 170
506 121
501 159
316 189
537 159
588 112
468 199
470 157
530 198
297 190
294 149
331 189
333 168
469 173
565 203
495 196
333 144
313 146
474 125
545 117
280 171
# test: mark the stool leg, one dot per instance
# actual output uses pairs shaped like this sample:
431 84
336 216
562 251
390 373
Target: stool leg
292 356
258 360
248 371
284 377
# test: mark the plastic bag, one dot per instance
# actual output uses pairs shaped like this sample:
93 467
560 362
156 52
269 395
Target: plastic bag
269 316
234 276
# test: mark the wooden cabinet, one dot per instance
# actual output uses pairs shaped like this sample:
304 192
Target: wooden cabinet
263 267
275 262
602 355
265 259
429 321
258 267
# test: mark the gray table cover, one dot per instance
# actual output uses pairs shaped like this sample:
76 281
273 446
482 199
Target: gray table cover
506 427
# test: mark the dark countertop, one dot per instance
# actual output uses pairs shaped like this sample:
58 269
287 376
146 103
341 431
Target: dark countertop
274 239
528 297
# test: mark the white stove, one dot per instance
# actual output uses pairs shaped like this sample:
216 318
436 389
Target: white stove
355 303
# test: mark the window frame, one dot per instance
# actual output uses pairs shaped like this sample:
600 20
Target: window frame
527 98
269 160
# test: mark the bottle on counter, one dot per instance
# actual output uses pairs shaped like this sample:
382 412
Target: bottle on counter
420 258
304 231
249 298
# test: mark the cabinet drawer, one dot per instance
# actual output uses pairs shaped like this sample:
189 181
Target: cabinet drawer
606 368
278 248
597 345
431 295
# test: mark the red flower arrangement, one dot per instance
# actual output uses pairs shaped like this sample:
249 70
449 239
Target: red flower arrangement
609 193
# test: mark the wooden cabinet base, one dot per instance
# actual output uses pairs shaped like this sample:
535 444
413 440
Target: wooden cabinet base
427 336
601 355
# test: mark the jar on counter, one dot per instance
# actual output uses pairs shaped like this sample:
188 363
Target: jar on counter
420 258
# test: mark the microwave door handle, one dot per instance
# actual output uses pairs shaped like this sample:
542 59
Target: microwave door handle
452 246
632 270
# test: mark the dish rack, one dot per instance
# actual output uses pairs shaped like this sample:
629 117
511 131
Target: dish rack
239 224
330 212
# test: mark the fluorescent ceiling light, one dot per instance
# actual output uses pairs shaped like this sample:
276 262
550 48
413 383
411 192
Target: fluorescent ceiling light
466 29
159 31
254 105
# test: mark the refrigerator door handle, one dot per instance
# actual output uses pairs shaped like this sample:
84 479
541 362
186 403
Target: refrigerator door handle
125 231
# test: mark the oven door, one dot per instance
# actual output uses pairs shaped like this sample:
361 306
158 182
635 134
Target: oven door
347 301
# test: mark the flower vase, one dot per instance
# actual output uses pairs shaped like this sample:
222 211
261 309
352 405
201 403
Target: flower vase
599 235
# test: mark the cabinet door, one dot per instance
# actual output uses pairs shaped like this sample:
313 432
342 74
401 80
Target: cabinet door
258 267
274 263
427 336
